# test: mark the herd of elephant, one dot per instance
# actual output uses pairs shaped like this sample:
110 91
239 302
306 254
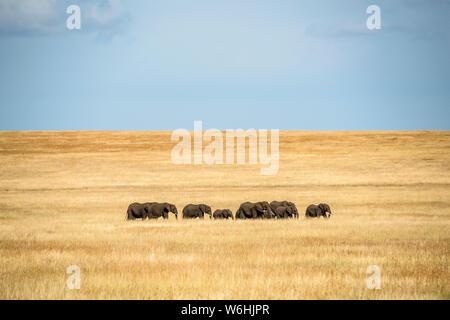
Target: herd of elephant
247 210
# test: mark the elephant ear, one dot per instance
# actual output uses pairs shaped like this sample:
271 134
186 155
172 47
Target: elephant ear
202 208
146 209
322 207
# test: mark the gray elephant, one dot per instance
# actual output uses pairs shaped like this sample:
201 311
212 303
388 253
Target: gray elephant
284 212
292 211
138 210
157 210
223 214
192 211
318 211
257 210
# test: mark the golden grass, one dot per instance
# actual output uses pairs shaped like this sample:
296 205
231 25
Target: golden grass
63 198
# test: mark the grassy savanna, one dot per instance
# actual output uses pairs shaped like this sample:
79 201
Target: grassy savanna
63 198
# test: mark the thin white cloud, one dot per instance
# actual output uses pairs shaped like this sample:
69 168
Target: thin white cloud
106 18
22 17
347 30
106 15
28 15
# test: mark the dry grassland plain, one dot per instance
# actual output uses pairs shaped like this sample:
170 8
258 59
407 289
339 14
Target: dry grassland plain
64 195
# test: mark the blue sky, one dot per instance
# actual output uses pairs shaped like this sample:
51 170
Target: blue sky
160 65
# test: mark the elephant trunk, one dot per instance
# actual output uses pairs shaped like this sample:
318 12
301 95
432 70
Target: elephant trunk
271 213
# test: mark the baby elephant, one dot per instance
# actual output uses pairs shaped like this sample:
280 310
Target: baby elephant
321 210
284 209
284 212
223 214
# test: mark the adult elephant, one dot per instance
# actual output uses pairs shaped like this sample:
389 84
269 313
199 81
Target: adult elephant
157 210
292 212
318 211
192 211
223 214
138 210
257 210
